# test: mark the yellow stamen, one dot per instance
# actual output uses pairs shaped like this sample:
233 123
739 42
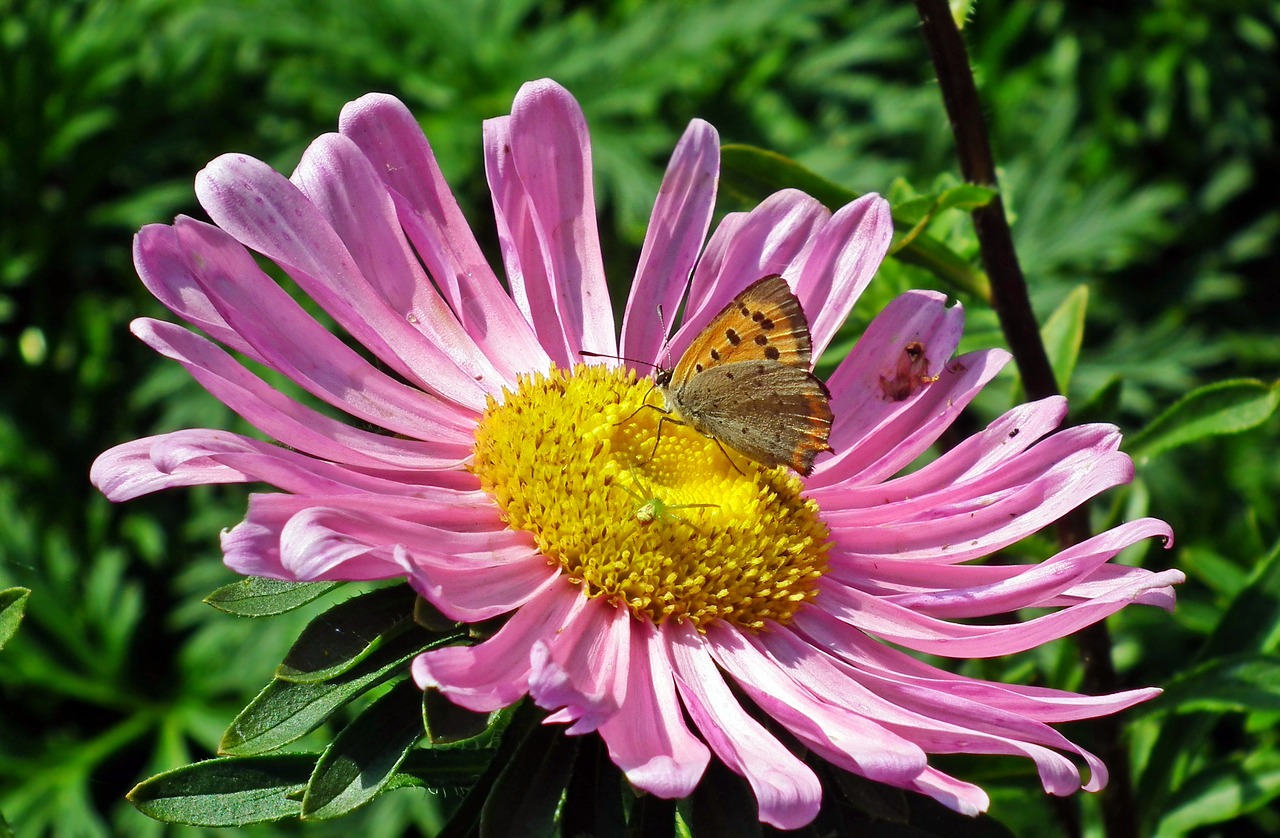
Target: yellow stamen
567 453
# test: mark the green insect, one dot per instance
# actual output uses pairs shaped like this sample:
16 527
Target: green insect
653 508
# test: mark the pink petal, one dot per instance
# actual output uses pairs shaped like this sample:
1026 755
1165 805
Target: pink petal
495 673
982 523
976 455
939 726
883 619
164 267
390 138
846 739
894 666
787 791
186 458
1037 585
391 290
262 209
846 254
332 543
532 287
128 471
547 153
766 241
292 342
965 798
647 737
582 672
677 228
279 416
869 423
892 439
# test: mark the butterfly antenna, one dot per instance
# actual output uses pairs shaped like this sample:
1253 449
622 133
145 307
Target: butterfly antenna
585 354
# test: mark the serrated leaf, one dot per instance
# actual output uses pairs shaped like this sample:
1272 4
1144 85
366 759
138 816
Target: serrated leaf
362 759
1224 407
1063 334
1226 685
347 633
526 796
286 710
258 597
13 604
1223 792
752 174
234 791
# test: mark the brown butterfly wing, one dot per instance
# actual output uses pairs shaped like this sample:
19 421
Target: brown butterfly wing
773 413
765 321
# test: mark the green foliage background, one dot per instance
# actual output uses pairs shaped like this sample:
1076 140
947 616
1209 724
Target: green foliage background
1139 162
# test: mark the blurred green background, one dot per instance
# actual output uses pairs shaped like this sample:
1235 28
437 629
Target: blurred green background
1138 159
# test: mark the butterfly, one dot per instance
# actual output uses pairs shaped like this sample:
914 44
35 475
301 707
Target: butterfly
745 380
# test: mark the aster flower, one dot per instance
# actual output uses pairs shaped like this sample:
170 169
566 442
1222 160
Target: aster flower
647 582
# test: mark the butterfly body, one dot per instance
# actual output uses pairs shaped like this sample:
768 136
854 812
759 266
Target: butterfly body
745 380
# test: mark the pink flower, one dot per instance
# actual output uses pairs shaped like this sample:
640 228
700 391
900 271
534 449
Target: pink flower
643 577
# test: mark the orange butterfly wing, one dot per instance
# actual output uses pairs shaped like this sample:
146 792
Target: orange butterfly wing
764 322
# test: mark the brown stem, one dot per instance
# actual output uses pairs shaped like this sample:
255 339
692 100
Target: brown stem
1021 330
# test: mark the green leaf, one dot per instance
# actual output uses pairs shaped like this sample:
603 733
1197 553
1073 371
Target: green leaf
1063 333
752 174
1252 620
966 196
447 723
1224 407
13 604
593 803
723 804
362 759
258 597
1226 685
443 769
286 710
347 633
226 792
465 820
526 796
1223 792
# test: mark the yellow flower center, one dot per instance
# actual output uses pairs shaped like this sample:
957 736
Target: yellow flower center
644 511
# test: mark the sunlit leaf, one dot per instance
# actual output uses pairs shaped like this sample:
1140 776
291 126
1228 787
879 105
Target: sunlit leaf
234 791
13 604
1222 792
257 597
1224 407
1063 334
